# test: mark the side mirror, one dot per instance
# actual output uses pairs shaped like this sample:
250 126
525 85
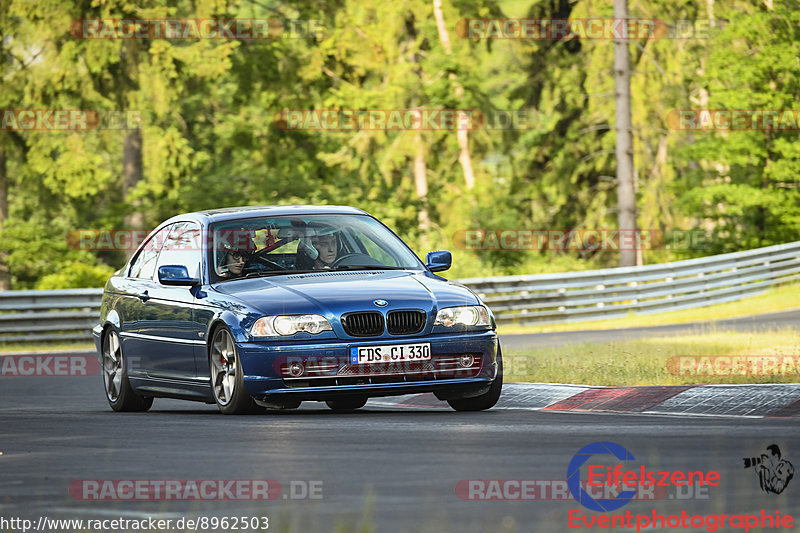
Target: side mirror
176 275
439 260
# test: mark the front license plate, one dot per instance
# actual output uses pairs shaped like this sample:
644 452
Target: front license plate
387 354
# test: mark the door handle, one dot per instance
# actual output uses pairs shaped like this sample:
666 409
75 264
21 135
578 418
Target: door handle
144 296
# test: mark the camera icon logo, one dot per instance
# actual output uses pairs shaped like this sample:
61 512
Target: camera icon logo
774 472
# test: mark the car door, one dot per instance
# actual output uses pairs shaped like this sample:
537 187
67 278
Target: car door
168 318
134 289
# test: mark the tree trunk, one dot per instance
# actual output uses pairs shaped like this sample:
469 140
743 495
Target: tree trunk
626 196
421 187
5 275
132 173
420 167
132 145
464 156
462 133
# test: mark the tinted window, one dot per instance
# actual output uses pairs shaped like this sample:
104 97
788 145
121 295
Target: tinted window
289 244
182 247
144 265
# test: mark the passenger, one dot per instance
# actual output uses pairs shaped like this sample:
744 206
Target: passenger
232 264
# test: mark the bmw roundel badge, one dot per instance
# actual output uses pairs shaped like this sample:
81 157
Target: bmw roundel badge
381 303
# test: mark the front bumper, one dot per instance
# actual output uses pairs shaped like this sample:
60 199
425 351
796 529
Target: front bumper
265 377
97 332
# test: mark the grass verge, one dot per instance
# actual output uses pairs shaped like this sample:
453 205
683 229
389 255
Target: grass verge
645 361
777 299
47 347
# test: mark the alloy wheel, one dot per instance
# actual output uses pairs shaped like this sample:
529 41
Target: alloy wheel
223 361
112 366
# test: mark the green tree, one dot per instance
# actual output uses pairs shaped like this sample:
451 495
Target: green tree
743 185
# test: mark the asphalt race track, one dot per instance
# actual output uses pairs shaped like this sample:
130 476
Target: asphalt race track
384 468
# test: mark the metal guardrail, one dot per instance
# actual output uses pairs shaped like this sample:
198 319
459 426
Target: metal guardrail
43 316
618 292
69 315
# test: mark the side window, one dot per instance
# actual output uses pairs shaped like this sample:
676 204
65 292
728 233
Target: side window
144 265
182 247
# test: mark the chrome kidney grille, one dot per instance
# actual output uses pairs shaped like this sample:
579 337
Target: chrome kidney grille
405 322
364 324
371 323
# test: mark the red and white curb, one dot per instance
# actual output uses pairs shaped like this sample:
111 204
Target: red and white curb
752 401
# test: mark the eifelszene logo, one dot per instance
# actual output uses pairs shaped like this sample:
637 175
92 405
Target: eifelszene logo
574 476
617 477
774 473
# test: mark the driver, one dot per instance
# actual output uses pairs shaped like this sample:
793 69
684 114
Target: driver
322 245
328 248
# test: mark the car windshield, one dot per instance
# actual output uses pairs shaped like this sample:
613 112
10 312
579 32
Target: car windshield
268 246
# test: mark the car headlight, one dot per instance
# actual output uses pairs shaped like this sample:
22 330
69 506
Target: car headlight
470 315
284 325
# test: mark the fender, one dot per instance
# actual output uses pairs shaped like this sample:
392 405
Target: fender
233 321
113 318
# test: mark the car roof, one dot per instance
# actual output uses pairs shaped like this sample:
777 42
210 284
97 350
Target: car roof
232 213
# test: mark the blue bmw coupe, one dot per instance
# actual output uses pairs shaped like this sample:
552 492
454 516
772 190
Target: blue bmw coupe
265 307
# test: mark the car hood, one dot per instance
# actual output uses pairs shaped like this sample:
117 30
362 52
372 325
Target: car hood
334 293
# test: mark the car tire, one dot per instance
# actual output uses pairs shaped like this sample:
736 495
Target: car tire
350 403
486 400
227 382
119 393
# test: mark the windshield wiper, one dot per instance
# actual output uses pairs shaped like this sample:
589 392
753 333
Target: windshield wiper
366 267
265 273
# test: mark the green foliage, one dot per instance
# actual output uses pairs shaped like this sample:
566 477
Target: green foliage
76 275
40 251
212 135
745 185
